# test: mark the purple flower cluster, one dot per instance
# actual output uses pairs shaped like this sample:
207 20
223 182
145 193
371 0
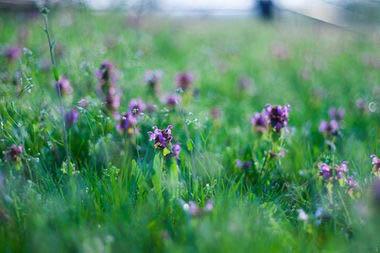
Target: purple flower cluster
260 122
107 79
106 73
184 80
243 165
173 100
63 86
152 79
375 164
339 172
162 137
195 211
274 116
14 152
336 114
278 116
331 127
324 171
127 123
12 53
71 117
136 107
128 120
176 149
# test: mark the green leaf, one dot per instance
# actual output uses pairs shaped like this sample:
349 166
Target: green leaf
189 145
166 151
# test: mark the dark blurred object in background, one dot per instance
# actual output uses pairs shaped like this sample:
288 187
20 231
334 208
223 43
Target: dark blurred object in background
25 5
265 8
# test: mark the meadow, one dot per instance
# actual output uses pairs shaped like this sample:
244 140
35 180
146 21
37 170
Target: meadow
184 134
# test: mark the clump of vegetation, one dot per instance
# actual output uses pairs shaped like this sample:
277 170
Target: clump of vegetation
178 135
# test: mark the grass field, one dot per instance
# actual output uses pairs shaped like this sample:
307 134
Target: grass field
79 173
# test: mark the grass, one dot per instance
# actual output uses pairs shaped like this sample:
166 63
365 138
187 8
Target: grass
117 193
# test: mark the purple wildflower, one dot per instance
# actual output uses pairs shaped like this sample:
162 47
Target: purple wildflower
184 80
12 53
324 171
176 149
351 182
63 86
14 152
215 113
71 117
209 206
192 208
375 163
153 78
162 137
112 99
151 108
106 73
127 123
260 122
278 116
137 106
244 83
336 114
329 127
83 103
243 165
173 100
341 170
361 104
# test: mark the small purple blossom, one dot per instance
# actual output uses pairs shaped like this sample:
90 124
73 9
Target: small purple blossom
162 137
184 80
12 53
112 100
215 113
244 83
336 114
151 108
330 128
260 122
351 183
173 100
278 116
106 73
71 117
341 170
83 103
127 123
209 206
375 163
14 152
361 105
176 149
243 165
192 208
63 86
137 106
324 171
153 78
